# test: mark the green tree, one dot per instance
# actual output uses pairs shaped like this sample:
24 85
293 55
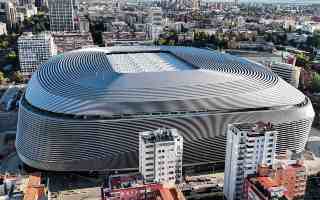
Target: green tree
11 56
315 84
17 77
302 61
163 41
1 77
171 42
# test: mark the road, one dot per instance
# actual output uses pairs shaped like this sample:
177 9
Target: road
315 132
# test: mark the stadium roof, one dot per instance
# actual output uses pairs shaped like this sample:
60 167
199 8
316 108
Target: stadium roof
140 79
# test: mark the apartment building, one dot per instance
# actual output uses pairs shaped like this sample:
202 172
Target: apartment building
248 146
293 176
8 13
34 50
155 26
160 155
71 41
62 15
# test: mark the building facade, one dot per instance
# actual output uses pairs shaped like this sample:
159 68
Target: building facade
96 101
3 29
248 146
62 14
34 50
8 13
155 27
160 155
71 41
288 72
263 188
293 176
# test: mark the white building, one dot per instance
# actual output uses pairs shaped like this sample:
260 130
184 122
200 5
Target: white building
248 146
3 28
160 155
8 13
62 14
156 22
34 50
27 10
84 25
287 72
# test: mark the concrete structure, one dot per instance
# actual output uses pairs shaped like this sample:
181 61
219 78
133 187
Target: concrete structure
97 101
41 3
313 145
160 155
264 58
125 38
263 188
156 23
131 186
84 25
3 29
27 10
288 72
248 146
24 2
62 15
8 13
34 50
294 177
71 41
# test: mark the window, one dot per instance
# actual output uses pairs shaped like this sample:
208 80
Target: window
149 164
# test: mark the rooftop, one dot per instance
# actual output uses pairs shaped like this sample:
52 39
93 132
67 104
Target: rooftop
146 62
267 182
160 135
258 127
154 79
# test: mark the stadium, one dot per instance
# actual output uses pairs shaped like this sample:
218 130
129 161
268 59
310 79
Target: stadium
84 110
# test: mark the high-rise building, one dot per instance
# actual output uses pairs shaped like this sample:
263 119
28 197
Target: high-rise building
156 23
160 155
8 13
293 176
84 25
62 14
34 50
288 72
248 146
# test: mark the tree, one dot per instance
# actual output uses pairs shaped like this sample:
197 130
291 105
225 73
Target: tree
1 77
315 84
314 40
17 77
171 42
11 56
163 41
302 61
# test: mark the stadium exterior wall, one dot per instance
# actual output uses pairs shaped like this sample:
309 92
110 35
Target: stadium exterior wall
62 144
